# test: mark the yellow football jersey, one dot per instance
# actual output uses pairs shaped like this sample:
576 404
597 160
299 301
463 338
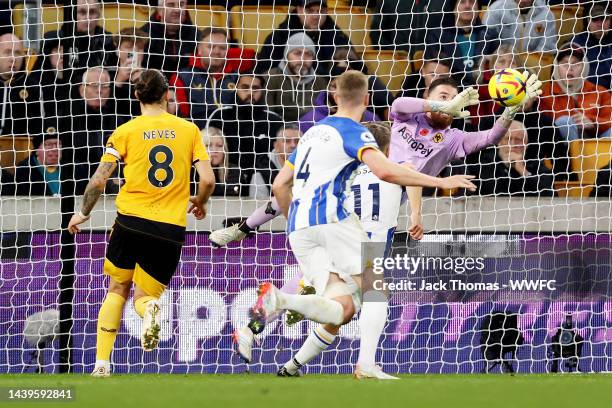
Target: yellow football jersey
158 153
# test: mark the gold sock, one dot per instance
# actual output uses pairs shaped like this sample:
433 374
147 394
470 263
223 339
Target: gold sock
141 304
109 320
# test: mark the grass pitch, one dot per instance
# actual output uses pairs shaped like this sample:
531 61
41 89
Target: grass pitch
246 391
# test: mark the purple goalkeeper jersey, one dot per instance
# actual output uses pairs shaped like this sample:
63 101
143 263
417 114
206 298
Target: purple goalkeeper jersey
413 139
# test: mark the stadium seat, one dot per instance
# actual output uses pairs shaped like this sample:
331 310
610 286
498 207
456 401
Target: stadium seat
569 21
13 149
355 22
118 16
588 156
250 25
572 189
417 60
541 64
390 67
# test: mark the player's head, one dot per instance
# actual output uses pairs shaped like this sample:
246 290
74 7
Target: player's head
352 91
213 48
382 134
442 89
152 88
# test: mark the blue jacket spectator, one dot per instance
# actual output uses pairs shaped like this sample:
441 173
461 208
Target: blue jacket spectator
39 173
464 38
597 41
528 24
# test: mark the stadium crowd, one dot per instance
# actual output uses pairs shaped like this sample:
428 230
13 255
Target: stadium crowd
252 108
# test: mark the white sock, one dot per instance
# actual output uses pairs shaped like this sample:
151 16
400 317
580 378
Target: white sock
313 307
102 362
371 324
317 341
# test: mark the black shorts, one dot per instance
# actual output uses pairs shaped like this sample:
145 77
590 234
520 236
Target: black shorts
138 257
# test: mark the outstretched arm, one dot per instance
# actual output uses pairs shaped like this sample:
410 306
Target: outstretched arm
402 107
94 190
391 172
475 141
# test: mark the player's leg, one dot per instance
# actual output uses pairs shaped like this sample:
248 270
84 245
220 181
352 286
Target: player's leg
323 335
155 265
119 265
245 336
237 232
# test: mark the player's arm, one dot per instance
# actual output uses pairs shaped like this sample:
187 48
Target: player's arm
391 172
415 198
455 107
281 188
475 141
206 186
93 191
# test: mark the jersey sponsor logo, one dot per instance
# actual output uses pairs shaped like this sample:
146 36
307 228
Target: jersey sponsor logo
415 145
159 134
438 137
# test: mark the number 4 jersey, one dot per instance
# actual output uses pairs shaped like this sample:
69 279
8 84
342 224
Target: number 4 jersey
158 153
324 166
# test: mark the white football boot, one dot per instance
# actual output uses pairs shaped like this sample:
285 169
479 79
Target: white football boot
243 341
375 372
102 369
224 236
150 326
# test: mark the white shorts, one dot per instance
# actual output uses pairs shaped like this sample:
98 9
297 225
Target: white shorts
326 248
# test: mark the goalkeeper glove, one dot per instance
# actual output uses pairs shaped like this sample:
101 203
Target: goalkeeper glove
455 107
532 90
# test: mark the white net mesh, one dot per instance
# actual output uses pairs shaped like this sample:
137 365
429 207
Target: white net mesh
252 72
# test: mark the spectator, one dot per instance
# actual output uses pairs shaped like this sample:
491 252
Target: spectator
92 46
20 109
48 72
528 24
203 86
433 67
325 105
131 43
597 41
462 37
249 126
172 37
380 98
269 165
579 107
172 108
400 25
39 173
293 85
310 17
229 180
93 121
504 169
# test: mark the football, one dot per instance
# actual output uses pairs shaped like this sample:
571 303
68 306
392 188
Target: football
507 87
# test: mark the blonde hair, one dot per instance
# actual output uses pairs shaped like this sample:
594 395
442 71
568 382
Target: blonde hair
352 86
207 134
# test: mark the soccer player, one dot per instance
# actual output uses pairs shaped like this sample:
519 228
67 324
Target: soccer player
158 150
325 238
373 314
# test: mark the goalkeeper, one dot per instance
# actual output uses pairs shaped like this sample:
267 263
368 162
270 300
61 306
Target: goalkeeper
422 136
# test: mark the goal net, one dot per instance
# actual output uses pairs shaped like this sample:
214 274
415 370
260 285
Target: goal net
540 223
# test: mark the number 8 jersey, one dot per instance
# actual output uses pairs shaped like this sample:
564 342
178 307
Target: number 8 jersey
324 163
158 153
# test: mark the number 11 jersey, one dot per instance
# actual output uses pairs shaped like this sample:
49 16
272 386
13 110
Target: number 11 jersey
158 153
324 163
